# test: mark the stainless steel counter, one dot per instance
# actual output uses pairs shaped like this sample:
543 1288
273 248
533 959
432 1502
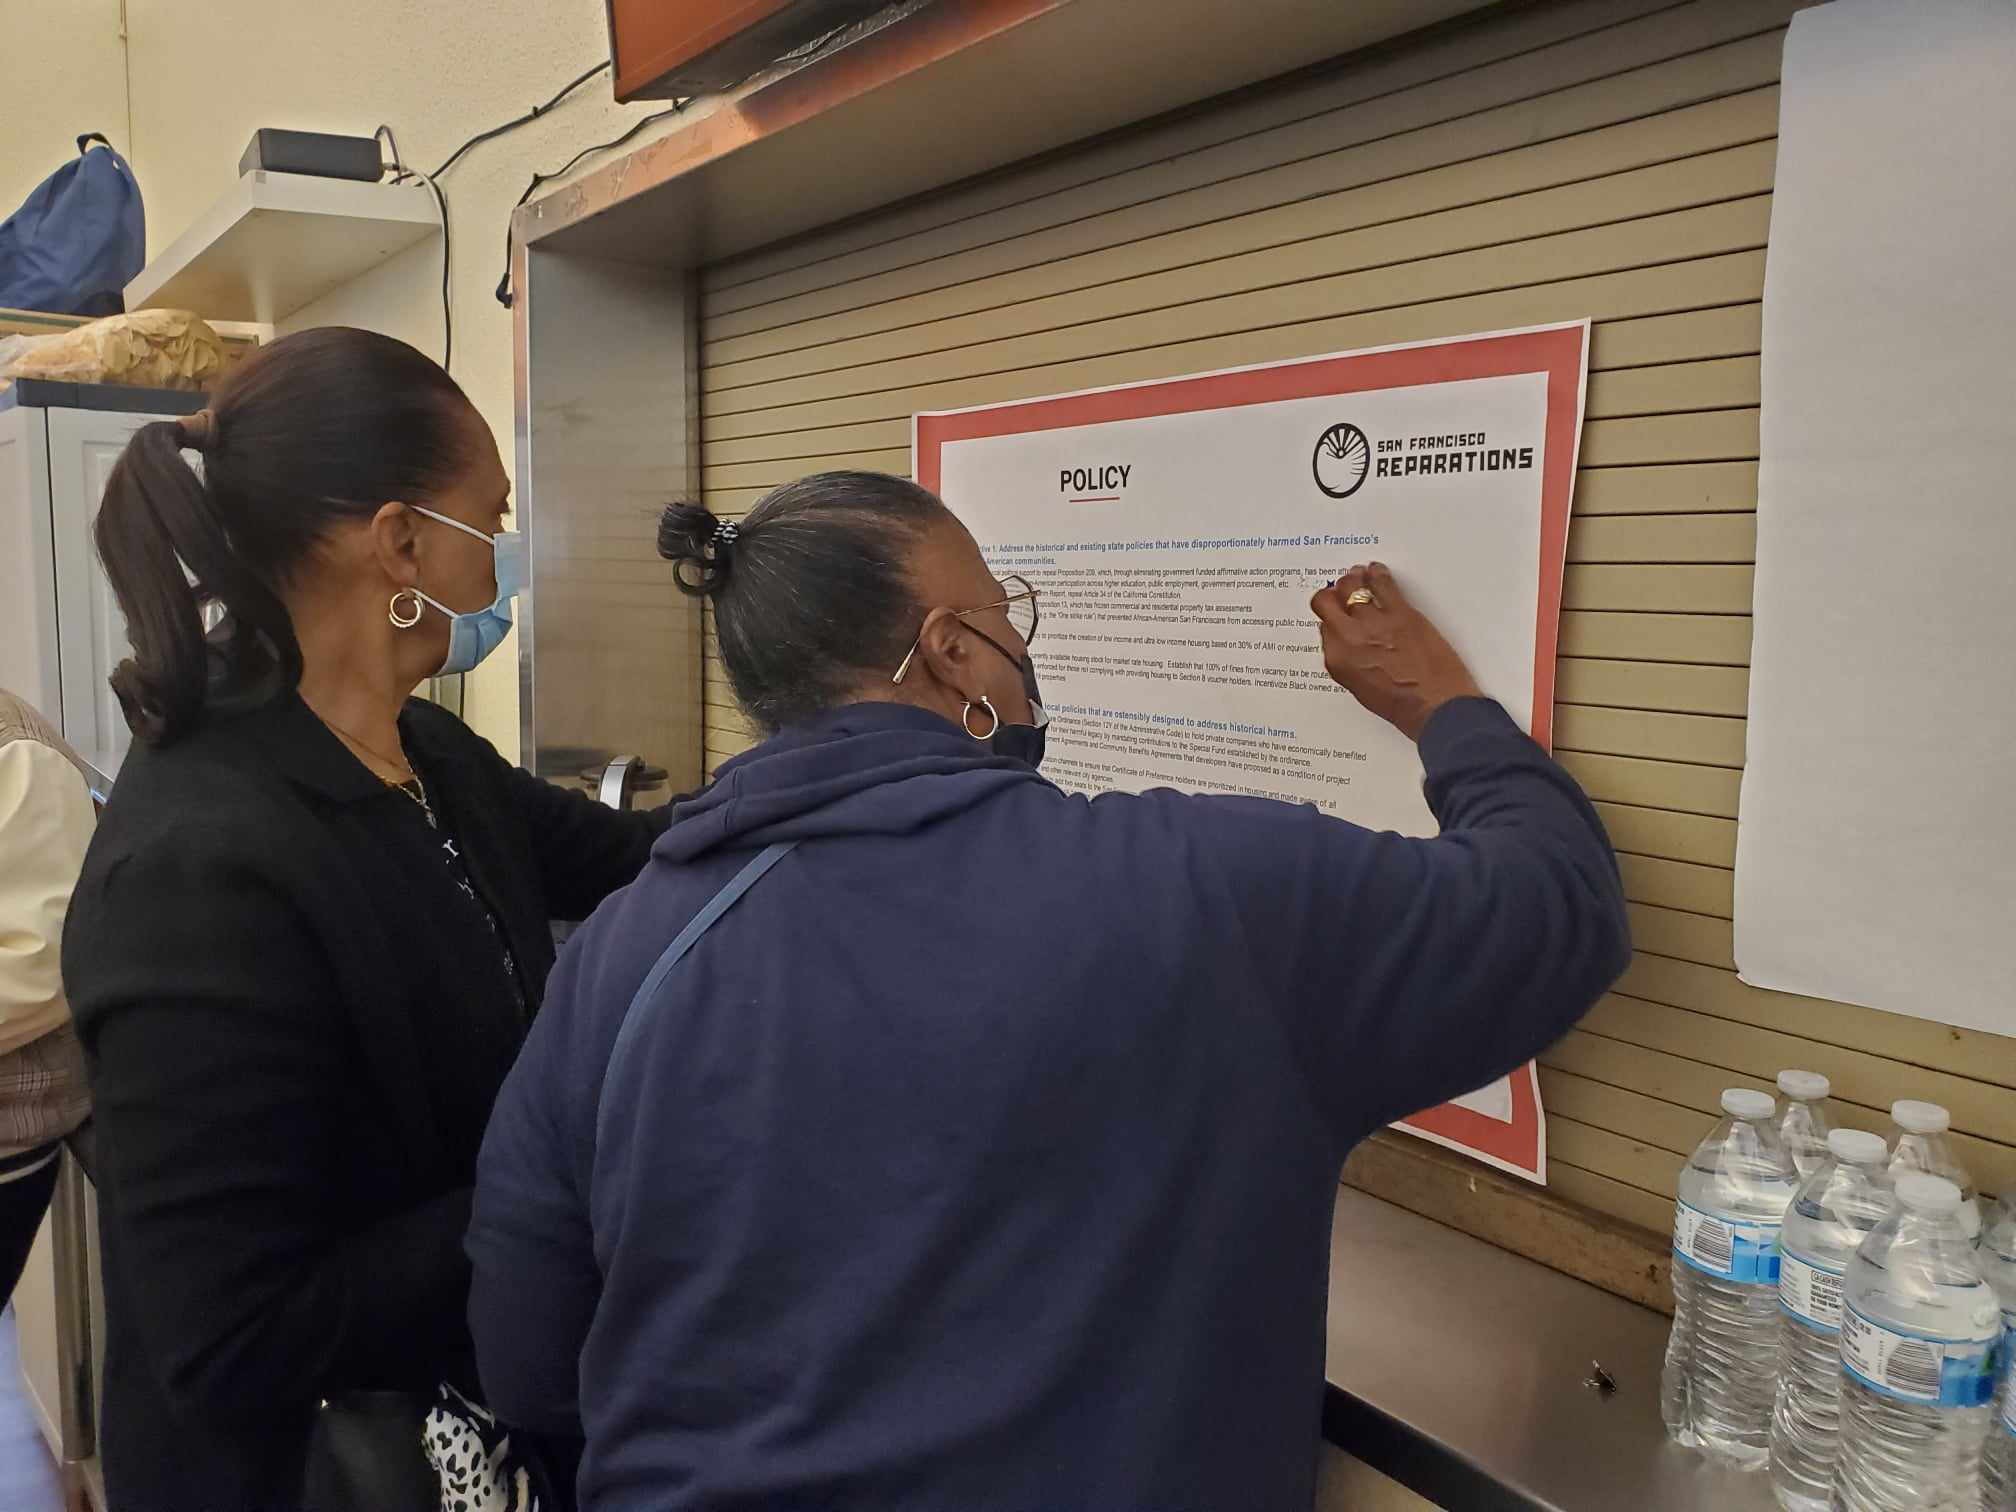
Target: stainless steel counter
1457 1369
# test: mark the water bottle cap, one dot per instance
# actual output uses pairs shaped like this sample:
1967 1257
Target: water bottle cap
1925 1193
1921 1117
1858 1147
1804 1086
1742 1102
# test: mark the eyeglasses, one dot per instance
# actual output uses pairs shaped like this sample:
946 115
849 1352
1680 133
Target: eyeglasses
1018 602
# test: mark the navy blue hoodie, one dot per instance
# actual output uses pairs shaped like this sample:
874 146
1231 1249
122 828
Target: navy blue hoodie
982 1157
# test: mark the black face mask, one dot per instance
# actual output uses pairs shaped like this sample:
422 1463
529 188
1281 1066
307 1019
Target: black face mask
1021 742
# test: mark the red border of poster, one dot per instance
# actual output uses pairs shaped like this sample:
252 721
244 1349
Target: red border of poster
1561 353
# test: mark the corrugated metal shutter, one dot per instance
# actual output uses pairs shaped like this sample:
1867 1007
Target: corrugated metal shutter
1610 158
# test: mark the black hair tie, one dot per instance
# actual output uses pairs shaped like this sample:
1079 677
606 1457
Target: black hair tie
726 534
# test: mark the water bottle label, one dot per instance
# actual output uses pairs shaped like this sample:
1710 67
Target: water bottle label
1746 1253
1810 1292
1911 1368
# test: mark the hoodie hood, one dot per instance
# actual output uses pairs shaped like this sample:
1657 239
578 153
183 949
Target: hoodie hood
865 769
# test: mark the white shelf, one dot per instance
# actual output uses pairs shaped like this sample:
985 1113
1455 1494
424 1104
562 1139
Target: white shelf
279 241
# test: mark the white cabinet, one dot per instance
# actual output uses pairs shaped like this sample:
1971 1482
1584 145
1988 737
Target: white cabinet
61 632
83 446
29 665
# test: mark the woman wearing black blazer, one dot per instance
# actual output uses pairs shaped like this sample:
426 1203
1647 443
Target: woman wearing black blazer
314 923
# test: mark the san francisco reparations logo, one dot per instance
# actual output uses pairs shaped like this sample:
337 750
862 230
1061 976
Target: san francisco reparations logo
1345 457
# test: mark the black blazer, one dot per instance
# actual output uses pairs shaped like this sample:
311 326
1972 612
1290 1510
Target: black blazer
295 1024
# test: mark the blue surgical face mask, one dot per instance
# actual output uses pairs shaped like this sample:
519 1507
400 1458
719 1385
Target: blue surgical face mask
474 635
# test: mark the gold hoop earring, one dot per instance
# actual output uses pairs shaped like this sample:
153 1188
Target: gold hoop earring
406 622
965 720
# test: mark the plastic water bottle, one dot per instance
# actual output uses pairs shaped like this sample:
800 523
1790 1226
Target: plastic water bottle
1838 1206
1996 1256
1803 1125
1722 1356
1922 1145
1918 1341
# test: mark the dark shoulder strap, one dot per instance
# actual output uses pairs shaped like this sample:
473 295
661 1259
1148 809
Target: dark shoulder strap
719 904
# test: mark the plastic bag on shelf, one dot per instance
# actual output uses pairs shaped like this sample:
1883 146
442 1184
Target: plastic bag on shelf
170 349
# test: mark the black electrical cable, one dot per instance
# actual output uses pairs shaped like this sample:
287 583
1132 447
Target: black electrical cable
384 134
432 180
400 174
505 295
511 125
447 306
805 52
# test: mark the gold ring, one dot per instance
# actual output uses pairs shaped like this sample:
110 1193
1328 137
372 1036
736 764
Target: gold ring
1358 596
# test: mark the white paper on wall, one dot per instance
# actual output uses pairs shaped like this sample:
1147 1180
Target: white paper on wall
1876 853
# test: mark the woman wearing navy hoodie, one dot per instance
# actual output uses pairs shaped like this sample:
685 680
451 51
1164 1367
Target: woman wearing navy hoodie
915 1135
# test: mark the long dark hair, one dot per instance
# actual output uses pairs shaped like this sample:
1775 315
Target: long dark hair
318 428
812 591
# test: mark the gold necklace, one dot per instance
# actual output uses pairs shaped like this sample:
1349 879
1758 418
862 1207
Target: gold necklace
372 751
414 789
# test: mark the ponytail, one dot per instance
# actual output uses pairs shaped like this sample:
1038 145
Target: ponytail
698 546
154 518
319 429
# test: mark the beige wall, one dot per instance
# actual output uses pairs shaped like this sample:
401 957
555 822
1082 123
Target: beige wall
63 72
206 73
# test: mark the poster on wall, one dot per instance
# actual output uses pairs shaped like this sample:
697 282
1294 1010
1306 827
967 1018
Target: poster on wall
1177 529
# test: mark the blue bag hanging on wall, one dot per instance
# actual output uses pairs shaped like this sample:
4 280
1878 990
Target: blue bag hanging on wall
78 240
